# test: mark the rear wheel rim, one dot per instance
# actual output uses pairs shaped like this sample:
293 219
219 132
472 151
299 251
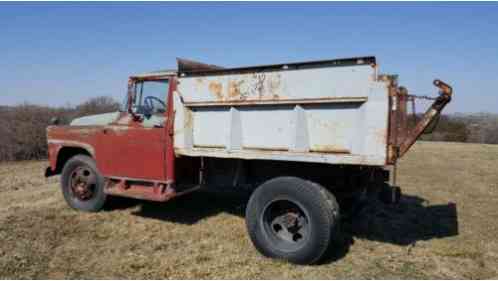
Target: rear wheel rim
83 183
286 224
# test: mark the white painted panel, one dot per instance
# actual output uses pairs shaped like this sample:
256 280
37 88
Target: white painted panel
266 126
210 127
332 127
375 121
184 124
326 131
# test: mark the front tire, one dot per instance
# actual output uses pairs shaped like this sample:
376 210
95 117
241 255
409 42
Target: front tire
82 185
292 219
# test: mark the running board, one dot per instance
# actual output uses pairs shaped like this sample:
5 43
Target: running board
151 191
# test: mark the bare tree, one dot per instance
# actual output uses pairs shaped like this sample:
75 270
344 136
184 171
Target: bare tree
23 127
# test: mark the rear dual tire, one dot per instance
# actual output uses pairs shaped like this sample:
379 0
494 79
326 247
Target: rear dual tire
292 219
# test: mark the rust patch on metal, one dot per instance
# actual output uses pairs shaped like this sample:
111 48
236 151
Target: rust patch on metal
266 148
329 149
234 91
400 138
216 88
250 87
153 191
157 192
188 123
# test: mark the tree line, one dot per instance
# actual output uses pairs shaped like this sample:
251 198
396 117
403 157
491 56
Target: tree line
471 128
22 127
23 135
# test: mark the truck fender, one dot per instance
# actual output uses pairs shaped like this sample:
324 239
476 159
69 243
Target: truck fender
60 152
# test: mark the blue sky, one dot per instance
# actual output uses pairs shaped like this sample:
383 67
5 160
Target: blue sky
64 53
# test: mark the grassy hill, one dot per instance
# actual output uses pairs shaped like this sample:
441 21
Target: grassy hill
445 227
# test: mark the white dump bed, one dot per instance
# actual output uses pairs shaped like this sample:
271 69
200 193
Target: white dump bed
330 112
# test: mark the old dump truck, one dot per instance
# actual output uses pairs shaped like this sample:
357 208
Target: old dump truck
304 137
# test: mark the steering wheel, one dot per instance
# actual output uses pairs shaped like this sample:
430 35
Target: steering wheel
149 104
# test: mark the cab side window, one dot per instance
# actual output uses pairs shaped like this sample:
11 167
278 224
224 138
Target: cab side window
150 100
150 97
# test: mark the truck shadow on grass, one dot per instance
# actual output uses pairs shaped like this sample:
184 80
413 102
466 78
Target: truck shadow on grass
412 219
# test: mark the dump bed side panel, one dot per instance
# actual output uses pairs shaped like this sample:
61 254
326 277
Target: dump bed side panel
334 115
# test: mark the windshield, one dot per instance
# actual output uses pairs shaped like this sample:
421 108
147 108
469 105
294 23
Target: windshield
150 97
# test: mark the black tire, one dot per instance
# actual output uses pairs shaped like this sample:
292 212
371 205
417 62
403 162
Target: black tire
89 196
280 230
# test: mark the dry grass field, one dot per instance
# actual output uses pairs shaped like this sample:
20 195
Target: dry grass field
446 226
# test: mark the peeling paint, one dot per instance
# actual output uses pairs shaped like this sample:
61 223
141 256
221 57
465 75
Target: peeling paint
329 149
216 89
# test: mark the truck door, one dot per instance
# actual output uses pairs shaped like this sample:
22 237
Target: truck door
135 148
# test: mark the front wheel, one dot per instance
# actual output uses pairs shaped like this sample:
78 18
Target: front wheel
292 219
82 185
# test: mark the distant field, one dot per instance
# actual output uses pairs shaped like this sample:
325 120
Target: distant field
446 226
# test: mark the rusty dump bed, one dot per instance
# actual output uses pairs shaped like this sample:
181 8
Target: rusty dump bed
334 111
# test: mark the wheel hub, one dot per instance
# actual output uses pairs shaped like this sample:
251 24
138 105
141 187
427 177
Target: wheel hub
83 182
286 223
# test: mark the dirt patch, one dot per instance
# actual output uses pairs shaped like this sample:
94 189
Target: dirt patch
444 227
